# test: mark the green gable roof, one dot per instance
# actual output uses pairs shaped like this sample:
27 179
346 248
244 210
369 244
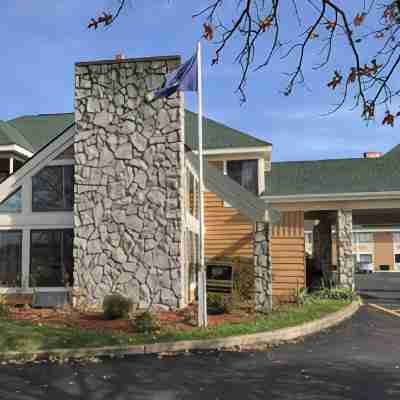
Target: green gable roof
38 130
10 136
335 176
217 135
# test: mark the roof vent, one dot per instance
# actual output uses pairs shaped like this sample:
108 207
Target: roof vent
373 154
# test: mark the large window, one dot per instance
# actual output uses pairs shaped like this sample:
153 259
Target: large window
10 258
51 258
53 189
13 203
244 172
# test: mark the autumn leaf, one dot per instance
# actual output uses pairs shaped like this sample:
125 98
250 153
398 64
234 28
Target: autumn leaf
313 35
208 31
93 24
379 35
337 78
330 25
369 111
105 19
352 75
389 119
359 19
266 23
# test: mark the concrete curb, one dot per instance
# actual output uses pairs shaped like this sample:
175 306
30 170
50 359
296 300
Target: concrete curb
273 337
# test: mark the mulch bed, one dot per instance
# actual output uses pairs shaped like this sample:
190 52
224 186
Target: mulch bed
183 320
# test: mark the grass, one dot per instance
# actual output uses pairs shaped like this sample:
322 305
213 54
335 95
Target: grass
25 336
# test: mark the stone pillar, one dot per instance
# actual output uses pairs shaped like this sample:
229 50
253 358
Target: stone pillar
344 240
322 247
262 267
128 184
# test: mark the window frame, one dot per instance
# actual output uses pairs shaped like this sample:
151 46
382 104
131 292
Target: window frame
21 237
62 229
63 164
257 164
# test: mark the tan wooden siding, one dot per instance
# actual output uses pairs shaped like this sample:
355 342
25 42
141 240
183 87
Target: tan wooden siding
67 154
228 233
383 250
287 254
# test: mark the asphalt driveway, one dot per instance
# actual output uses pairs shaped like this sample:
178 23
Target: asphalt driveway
379 287
360 359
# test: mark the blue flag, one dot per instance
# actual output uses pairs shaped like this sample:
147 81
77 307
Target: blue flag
183 78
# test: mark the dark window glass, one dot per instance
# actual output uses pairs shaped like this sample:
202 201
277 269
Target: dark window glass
397 258
53 189
51 258
10 258
12 203
244 172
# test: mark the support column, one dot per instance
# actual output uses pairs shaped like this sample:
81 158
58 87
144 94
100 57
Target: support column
11 165
262 267
345 261
322 248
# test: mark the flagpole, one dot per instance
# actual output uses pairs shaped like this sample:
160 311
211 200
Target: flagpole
202 314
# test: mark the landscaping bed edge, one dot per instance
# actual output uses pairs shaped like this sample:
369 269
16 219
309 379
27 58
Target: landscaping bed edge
268 338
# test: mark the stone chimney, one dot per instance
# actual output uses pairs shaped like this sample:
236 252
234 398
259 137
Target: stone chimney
128 212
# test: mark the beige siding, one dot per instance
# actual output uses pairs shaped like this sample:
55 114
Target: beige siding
383 249
228 233
287 252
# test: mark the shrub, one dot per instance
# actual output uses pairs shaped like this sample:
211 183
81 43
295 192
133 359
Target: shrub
116 306
146 323
218 303
335 294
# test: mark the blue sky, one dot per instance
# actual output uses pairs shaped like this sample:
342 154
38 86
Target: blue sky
42 39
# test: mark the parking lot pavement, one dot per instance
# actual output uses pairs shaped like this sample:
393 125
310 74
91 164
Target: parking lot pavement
358 360
380 288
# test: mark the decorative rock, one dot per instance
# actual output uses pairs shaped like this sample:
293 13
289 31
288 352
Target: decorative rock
124 151
126 164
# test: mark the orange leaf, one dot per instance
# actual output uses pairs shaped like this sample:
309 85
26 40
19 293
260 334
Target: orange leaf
208 31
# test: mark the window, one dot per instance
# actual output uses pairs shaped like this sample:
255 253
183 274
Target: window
396 237
244 172
397 258
53 189
365 237
51 258
13 203
10 258
366 258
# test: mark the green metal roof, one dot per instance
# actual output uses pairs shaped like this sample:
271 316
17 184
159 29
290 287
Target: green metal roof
38 130
335 176
10 136
217 135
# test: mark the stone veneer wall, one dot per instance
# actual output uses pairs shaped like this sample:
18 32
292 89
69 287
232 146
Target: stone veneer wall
262 267
128 184
344 242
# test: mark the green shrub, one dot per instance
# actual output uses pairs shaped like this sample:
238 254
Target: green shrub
218 303
335 294
146 323
116 306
